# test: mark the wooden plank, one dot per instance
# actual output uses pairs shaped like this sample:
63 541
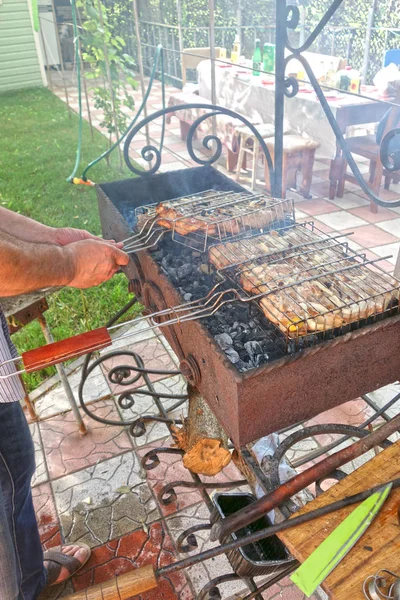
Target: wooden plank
378 548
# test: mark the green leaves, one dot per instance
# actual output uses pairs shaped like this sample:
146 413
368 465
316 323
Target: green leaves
98 39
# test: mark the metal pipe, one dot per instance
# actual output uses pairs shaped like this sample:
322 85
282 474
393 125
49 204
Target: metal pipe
63 377
110 83
367 42
53 10
247 515
140 61
180 36
85 90
276 190
211 9
48 68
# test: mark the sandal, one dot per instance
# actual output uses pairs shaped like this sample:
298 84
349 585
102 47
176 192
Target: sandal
57 560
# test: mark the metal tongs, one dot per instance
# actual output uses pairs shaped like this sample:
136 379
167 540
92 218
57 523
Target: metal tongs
97 339
384 585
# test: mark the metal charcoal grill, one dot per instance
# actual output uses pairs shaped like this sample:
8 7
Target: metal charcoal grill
207 217
302 384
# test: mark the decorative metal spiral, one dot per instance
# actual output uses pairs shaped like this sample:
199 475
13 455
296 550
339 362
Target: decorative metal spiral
151 152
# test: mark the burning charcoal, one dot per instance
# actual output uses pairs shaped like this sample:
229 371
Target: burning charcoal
164 263
158 256
232 355
253 349
187 297
184 271
205 269
224 340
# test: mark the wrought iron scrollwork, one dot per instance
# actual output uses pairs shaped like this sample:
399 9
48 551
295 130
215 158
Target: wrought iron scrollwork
150 152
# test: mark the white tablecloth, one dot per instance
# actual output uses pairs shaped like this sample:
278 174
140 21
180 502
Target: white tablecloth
254 97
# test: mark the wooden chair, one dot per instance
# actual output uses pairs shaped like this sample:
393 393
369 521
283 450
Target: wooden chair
366 146
249 145
191 62
298 155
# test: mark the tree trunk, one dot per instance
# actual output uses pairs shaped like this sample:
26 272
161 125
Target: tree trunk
202 438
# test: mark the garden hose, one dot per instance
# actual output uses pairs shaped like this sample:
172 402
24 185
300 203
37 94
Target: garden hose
78 75
158 57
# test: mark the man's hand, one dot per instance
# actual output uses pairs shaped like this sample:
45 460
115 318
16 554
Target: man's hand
93 262
68 235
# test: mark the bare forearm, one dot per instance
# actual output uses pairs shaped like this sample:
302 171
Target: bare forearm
25 266
26 229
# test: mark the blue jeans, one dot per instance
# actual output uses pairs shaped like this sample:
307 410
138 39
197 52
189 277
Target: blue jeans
22 574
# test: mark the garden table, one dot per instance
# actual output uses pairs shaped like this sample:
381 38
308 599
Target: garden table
254 97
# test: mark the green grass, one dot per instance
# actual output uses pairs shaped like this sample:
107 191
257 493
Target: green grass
37 154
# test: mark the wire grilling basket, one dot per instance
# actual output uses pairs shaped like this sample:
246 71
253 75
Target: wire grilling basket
207 217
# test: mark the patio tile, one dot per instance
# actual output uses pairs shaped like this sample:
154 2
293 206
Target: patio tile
317 207
145 405
135 550
52 403
170 469
392 226
137 332
354 412
320 190
300 214
365 213
105 501
322 226
66 450
350 200
154 356
369 236
176 166
383 395
95 388
341 220
46 515
40 475
387 250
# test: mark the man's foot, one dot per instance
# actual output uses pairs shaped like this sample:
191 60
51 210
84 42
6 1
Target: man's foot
62 562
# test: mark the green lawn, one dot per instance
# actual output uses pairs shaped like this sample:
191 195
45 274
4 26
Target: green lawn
37 153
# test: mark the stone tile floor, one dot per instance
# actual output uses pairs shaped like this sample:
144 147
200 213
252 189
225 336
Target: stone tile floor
93 489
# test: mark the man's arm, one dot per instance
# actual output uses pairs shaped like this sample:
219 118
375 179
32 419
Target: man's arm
28 230
25 266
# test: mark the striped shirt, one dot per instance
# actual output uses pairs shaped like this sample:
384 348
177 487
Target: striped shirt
11 389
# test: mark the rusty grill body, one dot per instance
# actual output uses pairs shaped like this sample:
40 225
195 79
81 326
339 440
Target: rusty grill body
280 393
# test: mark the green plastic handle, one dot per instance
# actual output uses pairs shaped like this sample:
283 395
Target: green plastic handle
334 548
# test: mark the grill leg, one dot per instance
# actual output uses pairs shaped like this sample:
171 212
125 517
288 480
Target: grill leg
63 377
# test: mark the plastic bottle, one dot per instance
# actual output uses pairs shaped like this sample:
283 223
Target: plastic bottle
343 79
269 58
331 76
235 54
257 58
